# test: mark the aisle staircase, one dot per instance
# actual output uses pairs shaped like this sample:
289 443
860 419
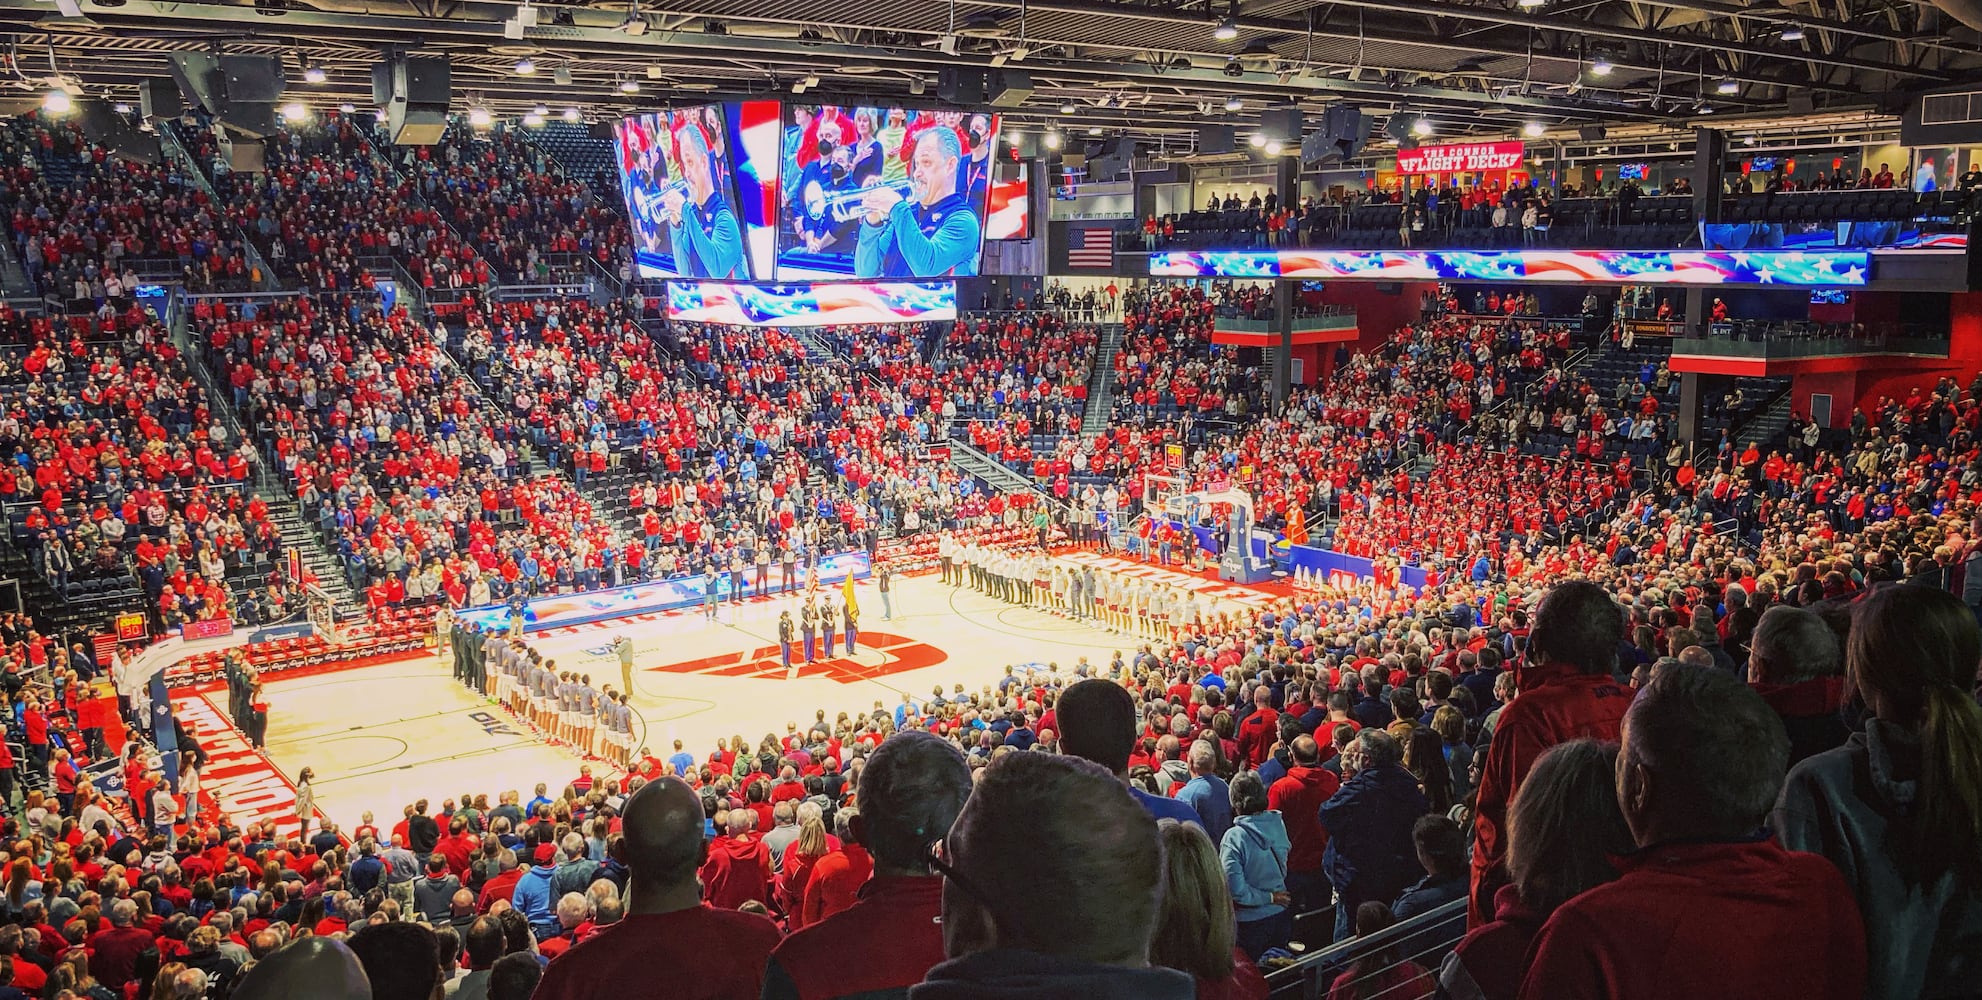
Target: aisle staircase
1101 381
1001 478
1764 429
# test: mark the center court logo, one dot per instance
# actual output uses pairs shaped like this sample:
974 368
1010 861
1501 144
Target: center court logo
898 655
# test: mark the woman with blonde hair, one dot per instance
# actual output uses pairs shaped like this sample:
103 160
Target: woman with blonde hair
1195 931
1898 808
799 860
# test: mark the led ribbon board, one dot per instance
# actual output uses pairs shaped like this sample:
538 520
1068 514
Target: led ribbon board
823 304
1830 268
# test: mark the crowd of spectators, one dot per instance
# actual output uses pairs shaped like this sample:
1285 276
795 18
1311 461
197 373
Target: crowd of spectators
518 206
88 227
328 203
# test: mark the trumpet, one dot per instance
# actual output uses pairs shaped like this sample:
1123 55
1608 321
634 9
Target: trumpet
842 202
650 204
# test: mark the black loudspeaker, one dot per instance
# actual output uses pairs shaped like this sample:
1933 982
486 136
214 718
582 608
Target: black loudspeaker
199 79
1214 139
1008 88
254 120
256 79
958 86
421 87
1801 102
1281 123
104 126
382 83
1343 131
1397 126
599 130
244 155
1591 133
159 98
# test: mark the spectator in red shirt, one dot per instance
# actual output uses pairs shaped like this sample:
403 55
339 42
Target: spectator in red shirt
1702 762
1298 798
1258 729
667 925
1566 693
889 938
114 952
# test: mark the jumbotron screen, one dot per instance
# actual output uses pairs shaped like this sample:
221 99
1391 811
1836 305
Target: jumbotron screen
677 175
883 192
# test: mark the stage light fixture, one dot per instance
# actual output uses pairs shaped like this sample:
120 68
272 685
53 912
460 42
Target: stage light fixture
571 114
1728 87
294 111
533 120
1052 140
1792 32
314 74
540 111
479 117
1257 140
629 86
561 76
1094 130
1234 68
347 107
1747 140
1600 66
1273 148
1530 4
525 66
1235 104
1068 108
1227 30
1705 108
1533 130
1421 127
57 102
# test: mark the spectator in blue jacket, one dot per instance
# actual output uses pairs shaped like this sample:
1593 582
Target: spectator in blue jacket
1254 854
1206 792
534 900
1369 823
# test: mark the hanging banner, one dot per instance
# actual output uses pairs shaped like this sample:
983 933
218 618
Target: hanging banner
1465 157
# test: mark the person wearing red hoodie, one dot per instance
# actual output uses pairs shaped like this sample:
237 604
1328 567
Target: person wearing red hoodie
1566 692
1700 767
1298 798
738 868
889 938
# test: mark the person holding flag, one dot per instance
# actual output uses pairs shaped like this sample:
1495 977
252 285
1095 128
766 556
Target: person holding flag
849 613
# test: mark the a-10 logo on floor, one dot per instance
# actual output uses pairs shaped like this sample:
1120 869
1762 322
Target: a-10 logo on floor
492 724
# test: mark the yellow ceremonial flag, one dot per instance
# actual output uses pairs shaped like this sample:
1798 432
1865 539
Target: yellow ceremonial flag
847 591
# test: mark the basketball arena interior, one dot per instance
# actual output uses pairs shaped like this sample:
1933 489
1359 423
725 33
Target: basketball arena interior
990 499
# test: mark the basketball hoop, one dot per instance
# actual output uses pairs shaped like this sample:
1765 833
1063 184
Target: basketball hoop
322 612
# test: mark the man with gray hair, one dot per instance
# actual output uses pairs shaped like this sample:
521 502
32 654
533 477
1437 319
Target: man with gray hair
574 909
1701 764
1369 854
1796 664
1207 792
784 830
114 953
575 870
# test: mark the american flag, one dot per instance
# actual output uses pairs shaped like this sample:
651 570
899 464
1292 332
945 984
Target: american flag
1091 248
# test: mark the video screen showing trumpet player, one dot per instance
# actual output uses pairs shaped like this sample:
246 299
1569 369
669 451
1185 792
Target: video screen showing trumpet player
884 193
677 193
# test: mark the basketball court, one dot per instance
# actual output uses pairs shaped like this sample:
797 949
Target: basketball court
379 737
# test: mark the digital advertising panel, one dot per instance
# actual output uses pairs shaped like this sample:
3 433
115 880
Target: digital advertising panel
868 192
678 179
755 128
822 304
1008 216
1828 268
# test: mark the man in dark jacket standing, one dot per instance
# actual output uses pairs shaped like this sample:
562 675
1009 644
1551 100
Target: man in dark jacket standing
1053 874
1369 821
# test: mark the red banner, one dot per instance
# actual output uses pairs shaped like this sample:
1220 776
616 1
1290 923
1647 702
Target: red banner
210 629
1465 157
